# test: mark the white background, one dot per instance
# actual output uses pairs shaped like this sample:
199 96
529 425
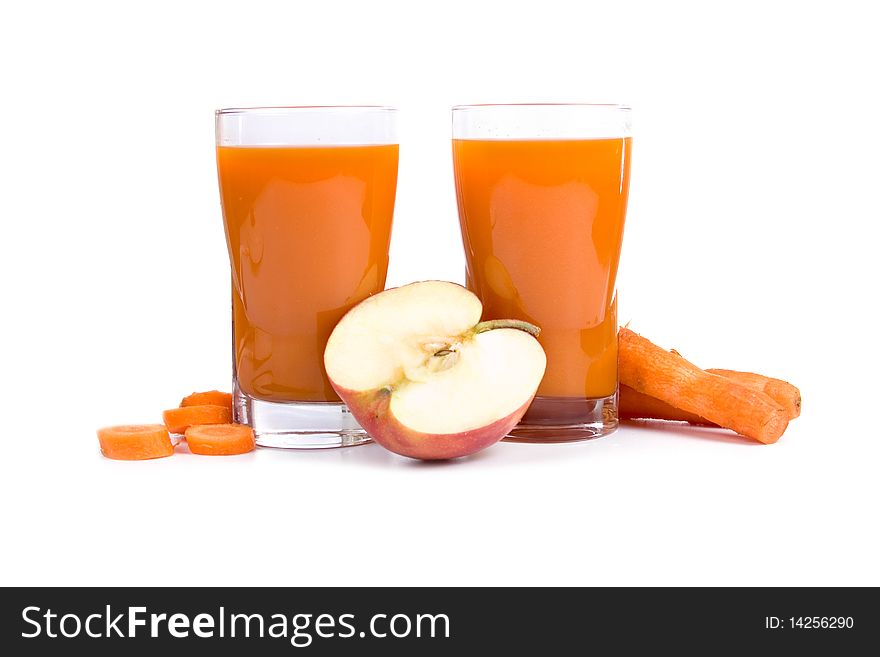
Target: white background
750 244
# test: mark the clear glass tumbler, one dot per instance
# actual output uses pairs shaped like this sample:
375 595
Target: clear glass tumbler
308 198
542 194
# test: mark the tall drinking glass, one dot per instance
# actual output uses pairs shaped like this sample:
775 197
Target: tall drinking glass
542 193
308 197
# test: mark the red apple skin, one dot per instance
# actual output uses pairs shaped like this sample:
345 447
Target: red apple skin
371 410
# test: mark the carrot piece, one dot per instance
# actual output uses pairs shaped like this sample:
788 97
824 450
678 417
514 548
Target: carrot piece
787 395
210 397
633 405
666 376
220 439
177 420
135 442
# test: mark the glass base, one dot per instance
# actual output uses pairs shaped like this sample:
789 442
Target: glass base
566 419
298 425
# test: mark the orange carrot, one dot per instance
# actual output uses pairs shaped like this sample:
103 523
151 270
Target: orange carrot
633 405
178 420
220 439
134 442
210 397
666 376
782 391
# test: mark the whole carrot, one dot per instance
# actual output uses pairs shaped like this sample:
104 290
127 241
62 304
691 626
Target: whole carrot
667 376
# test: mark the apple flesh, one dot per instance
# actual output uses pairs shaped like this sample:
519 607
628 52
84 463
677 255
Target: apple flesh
425 378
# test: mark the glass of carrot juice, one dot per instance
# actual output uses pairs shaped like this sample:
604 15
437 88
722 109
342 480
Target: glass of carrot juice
542 193
308 197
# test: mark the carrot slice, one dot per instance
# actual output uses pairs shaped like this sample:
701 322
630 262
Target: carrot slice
210 397
135 442
667 376
178 420
220 439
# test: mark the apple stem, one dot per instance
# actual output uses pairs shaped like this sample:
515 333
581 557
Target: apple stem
492 324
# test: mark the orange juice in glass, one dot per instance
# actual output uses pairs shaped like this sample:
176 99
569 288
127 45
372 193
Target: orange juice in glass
308 198
542 193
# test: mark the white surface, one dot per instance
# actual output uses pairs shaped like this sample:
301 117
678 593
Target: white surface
751 243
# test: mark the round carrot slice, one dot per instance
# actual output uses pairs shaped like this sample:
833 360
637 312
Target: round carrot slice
211 397
135 442
178 420
220 439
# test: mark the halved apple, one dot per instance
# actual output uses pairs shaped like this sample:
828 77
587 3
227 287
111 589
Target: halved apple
425 377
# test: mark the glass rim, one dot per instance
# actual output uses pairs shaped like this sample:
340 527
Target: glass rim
476 106
541 121
293 109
